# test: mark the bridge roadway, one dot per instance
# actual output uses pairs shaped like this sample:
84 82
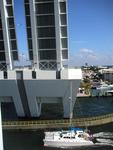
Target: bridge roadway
62 123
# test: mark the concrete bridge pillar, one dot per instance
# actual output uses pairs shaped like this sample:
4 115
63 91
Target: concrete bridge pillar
34 106
39 105
66 106
1 136
69 100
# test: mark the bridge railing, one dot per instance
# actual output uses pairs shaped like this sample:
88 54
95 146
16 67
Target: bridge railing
90 121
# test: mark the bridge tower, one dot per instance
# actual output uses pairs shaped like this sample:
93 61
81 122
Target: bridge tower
46 26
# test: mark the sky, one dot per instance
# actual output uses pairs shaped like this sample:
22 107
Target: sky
90 31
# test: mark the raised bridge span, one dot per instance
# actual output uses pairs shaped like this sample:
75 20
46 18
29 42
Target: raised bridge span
62 123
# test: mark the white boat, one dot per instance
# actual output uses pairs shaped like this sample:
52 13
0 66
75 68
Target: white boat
71 137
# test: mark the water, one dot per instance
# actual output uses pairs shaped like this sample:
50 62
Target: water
33 140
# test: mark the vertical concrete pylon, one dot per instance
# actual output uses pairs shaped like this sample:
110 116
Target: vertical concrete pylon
1 136
70 98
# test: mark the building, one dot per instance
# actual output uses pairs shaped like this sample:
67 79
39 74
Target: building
46 24
47 81
8 40
107 74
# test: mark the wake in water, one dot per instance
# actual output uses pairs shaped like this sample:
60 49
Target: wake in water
104 138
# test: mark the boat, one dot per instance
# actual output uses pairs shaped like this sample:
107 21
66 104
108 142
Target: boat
71 137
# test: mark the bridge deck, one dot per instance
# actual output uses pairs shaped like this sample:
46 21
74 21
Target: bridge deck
43 124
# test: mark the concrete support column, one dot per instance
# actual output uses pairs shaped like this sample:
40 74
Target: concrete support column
34 35
39 106
8 53
69 101
66 106
18 106
58 36
34 106
1 136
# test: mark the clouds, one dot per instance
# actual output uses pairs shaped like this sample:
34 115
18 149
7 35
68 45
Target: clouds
88 53
80 42
92 57
85 50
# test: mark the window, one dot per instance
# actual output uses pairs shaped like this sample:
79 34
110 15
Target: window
5 74
1 45
58 75
47 55
28 21
30 46
12 34
3 66
47 44
15 55
51 65
0 23
45 20
64 54
26 1
10 10
34 74
44 8
63 19
44 0
64 42
62 7
31 55
27 9
46 32
13 45
9 1
1 35
64 31
2 56
11 22
29 33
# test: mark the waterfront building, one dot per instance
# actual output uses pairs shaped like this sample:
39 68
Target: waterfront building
8 40
46 24
107 74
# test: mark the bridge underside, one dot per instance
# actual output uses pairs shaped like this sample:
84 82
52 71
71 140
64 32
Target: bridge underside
28 96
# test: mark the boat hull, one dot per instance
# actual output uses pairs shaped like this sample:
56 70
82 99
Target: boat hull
67 143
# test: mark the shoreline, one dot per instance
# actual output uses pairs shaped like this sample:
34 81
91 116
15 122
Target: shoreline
84 95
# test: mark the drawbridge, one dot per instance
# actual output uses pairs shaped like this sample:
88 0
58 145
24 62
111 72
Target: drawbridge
61 123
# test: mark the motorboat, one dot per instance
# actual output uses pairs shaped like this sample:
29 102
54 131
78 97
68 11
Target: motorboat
69 138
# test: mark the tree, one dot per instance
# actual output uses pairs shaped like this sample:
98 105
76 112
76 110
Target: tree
86 85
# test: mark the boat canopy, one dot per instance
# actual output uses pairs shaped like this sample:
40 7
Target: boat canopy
75 129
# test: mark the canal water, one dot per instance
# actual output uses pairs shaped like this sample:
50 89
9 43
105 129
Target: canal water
33 140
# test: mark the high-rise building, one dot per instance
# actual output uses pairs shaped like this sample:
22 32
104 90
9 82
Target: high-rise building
8 42
46 24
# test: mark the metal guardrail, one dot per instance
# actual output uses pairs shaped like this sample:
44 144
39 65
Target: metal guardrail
41 124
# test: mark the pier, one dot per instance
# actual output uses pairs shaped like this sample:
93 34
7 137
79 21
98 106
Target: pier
62 123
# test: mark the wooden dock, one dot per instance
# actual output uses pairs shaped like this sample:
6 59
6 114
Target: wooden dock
62 123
